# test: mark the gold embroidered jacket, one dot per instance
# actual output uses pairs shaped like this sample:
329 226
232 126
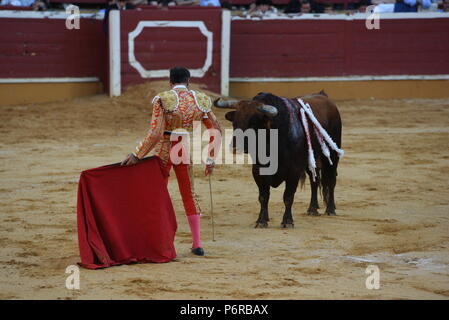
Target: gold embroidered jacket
175 109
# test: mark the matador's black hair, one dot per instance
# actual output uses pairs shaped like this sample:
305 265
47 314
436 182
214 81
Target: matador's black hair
179 75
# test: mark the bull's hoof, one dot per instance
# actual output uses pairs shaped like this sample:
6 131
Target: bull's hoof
287 225
331 213
262 225
313 212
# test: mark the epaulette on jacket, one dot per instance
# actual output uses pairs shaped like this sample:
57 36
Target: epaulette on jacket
169 100
202 101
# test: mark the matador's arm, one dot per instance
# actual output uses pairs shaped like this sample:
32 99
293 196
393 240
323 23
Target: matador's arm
155 133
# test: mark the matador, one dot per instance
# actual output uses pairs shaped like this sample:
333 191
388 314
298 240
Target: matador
174 113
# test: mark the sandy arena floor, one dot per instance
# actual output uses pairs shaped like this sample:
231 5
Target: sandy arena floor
392 205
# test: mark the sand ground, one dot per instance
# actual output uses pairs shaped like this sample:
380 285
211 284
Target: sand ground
392 205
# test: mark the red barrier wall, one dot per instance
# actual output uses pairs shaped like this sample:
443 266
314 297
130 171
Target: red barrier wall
315 47
162 47
45 48
305 48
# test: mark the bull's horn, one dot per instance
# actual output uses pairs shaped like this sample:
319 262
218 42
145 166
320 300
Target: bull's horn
225 104
268 110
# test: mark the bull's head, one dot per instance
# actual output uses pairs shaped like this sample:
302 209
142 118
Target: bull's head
247 114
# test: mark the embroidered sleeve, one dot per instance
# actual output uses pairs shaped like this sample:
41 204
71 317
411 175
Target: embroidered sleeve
215 132
155 133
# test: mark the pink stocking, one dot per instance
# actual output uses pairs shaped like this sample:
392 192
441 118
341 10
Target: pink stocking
194 222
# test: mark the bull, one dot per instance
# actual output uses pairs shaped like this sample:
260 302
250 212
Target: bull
267 111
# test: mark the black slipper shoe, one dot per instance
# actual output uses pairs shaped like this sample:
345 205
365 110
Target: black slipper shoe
198 251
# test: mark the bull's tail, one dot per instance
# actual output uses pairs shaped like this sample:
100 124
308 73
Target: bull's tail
302 180
323 192
323 189
319 181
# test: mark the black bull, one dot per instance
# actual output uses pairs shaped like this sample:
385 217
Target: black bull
267 111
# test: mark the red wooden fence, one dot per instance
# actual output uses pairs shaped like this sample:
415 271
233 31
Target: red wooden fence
45 48
339 47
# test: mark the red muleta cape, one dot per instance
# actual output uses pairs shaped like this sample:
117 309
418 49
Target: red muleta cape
125 215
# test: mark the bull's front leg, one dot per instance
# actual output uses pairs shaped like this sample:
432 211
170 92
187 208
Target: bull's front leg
264 197
289 196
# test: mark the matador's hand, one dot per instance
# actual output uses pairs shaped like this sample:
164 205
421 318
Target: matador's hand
129 160
209 169
210 164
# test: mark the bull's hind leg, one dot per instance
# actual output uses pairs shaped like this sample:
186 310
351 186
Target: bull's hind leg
289 196
329 180
314 206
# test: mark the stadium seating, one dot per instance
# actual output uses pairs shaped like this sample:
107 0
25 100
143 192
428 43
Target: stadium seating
344 2
248 2
79 1
284 2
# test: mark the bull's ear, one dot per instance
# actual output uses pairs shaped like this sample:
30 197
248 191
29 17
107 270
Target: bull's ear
230 116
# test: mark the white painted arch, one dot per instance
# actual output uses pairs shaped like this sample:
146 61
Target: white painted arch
198 73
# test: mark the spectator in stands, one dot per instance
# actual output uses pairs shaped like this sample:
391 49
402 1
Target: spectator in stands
363 5
405 6
166 3
306 7
262 8
40 5
300 6
126 5
17 3
37 5
187 2
376 2
383 6
328 8
402 6
225 4
446 5
428 6
120 5
210 3
294 6
162 3
317 7
115 5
